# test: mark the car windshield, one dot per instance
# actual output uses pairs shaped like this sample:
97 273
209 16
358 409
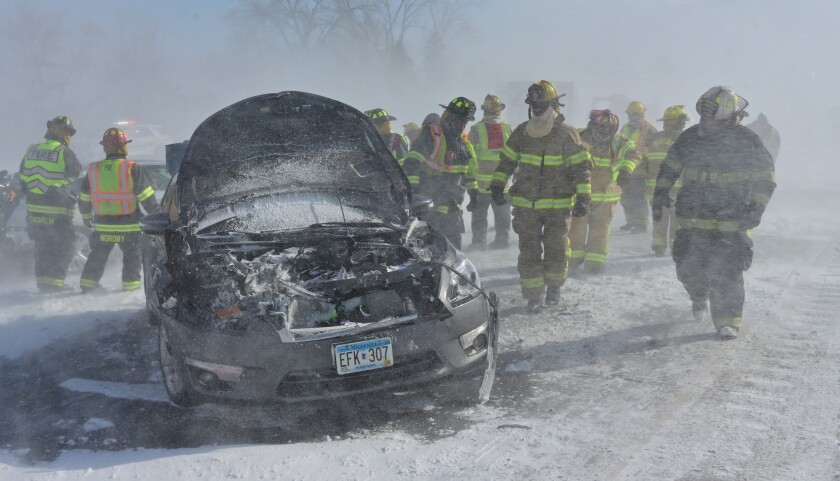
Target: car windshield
288 212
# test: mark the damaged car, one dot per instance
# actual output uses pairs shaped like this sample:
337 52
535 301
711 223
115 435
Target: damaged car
291 262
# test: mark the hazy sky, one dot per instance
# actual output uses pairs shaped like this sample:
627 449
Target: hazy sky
178 62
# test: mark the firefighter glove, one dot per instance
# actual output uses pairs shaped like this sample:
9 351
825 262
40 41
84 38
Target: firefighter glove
661 200
498 194
581 207
623 177
473 205
752 217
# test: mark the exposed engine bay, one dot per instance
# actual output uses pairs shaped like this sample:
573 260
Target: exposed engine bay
317 285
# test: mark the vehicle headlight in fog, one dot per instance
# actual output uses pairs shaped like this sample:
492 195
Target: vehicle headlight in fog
460 290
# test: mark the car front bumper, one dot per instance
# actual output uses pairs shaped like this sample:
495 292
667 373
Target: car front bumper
273 370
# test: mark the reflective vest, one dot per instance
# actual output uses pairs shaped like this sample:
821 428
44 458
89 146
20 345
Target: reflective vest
396 140
487 150
439 162
111 187
43 167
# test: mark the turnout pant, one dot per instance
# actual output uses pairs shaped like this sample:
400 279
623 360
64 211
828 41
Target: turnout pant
665 230
541 230
501 218
589 236
711 265
449 223
101 244
55 243
634 201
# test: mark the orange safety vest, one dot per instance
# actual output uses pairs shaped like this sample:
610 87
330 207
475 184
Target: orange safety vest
111 187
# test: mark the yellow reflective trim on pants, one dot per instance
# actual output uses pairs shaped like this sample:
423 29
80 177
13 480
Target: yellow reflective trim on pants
84 197
442 209
576 254
540 204
593 257
602 161
130 285
500 177
414 179
711 224
49 281
583 188
531 282
88 283
116 227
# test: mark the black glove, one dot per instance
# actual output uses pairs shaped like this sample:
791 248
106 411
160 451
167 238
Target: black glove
473 205
498 194
660 201
752 217
581 207
623 178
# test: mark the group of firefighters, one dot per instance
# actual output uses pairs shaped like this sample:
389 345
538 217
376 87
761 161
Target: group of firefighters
108 202
705 188
555 185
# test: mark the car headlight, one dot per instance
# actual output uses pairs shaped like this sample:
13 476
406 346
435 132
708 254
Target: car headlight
463 282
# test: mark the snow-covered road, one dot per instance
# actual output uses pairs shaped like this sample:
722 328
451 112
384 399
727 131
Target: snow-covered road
619 383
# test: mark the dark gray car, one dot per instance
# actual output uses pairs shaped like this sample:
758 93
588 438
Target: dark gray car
290 263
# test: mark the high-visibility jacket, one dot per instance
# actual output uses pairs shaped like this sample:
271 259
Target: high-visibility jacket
608 158
441 169
658 146
45 171
728 178
488 139
110 194
398 145
640 136
552 169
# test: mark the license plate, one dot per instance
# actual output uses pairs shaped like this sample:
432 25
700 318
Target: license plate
363 355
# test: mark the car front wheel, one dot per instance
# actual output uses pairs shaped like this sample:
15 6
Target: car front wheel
174 373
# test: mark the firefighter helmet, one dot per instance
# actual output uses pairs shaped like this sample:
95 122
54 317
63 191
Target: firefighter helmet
379 115
675 112
721 102
113 138
543 91
635 107
461 107
62 121
602 118
492 103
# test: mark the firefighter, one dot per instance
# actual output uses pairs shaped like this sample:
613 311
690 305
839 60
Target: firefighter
411 130
633 198
488 137
673 123
442 165
554 167
397 144
768 134
615 158
728 179
45 174
109 200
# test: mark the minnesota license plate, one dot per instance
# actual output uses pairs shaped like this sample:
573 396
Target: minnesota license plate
363 355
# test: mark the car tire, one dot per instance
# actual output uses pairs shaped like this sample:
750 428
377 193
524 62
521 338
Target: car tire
174 374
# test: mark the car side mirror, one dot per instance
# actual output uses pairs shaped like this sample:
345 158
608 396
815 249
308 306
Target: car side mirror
155 224
421 205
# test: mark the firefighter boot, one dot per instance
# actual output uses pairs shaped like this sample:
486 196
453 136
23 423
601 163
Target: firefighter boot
699 309
552 296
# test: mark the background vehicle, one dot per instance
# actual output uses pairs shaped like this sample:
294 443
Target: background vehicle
289 263
17 246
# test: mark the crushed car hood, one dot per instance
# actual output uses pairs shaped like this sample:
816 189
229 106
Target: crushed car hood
286 143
